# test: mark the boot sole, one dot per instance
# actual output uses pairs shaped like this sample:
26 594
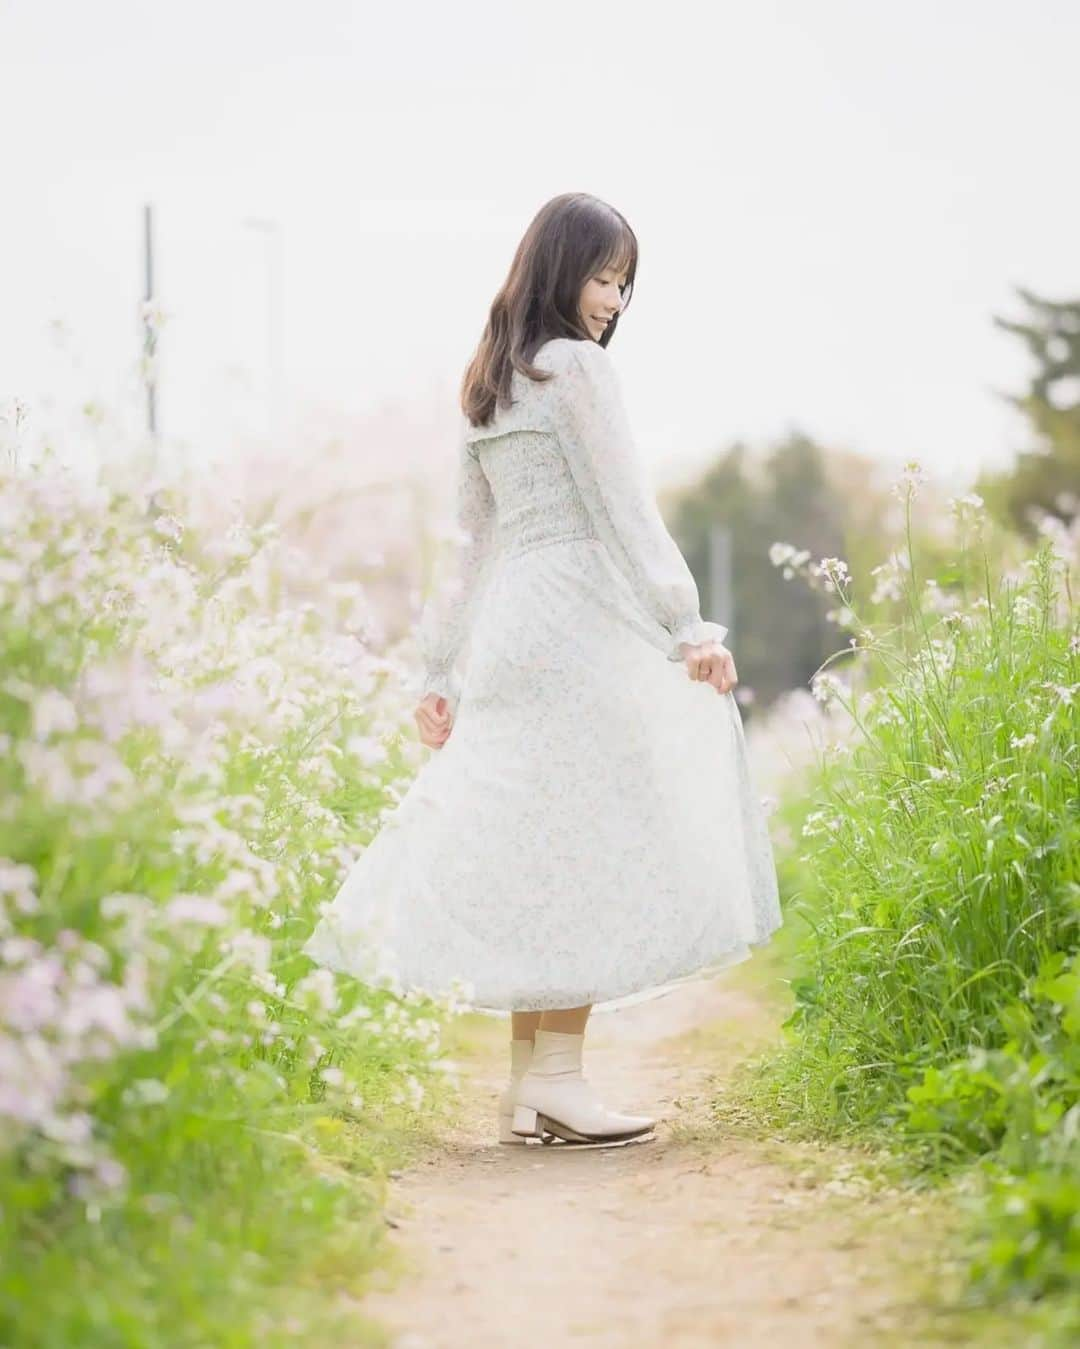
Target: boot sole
568 1135
542 1125
568 1145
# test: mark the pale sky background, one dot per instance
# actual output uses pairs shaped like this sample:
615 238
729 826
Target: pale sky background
831 198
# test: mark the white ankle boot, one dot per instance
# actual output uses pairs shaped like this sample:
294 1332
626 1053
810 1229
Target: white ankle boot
520 1054
554 1096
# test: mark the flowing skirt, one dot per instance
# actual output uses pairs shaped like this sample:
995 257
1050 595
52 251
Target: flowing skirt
590 831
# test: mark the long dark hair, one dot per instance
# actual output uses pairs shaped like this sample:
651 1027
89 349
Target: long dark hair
571 237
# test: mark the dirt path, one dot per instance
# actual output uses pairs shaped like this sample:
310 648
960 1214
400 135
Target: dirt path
692 1239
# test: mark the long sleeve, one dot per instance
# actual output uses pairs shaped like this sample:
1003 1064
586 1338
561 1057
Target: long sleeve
443 623
590 419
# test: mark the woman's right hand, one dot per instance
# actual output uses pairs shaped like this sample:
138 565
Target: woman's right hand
434 720
712 663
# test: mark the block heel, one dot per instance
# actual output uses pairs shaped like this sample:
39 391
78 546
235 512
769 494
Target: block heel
506 1130
526 1122
520 1056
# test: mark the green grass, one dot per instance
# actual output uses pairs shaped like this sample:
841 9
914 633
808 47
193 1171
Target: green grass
932 902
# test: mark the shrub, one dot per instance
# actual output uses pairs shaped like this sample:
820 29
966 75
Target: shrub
190 761
937 992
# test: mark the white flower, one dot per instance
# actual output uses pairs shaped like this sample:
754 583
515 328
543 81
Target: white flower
196 909
835 572
817 822
889 584
169 527
1065 692
19 881
826 687
367 748
145 1091
912 476
320 987
1022 741
53 713
965 506
111 1173
255 950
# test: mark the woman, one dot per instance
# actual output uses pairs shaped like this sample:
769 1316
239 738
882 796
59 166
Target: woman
588 833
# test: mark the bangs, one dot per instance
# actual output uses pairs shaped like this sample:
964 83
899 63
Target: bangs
622 252
620 260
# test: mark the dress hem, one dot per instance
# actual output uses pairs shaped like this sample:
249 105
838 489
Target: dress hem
599 1003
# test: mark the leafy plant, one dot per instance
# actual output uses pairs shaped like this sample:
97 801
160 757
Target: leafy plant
936 878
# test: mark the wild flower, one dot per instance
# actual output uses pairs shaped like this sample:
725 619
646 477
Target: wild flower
969 508
833 571
827 688
890 585
820 822
318 987
789 558
198 909
1062 537
145 1091
911 478
18 884
53 714
1065 692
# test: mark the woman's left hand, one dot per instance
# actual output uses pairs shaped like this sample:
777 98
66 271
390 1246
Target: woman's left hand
711 663
434 720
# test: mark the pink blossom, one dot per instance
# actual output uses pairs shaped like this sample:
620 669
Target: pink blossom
196 909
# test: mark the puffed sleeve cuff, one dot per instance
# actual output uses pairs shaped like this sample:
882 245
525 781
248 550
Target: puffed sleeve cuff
444 682
694 630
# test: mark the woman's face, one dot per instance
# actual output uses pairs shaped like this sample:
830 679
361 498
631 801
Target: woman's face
601 300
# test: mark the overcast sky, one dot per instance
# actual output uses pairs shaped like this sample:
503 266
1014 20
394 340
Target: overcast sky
832 197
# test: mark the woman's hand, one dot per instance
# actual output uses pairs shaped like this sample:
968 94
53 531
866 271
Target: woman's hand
434 720
712 663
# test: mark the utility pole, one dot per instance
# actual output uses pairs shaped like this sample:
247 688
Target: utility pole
149 323
721 590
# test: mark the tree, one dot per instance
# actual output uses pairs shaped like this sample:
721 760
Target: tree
780 631
1046 476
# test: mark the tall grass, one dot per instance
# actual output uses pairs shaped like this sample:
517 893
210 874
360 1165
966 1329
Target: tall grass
194 1123
937 879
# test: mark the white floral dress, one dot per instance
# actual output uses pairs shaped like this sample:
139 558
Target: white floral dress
590 832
